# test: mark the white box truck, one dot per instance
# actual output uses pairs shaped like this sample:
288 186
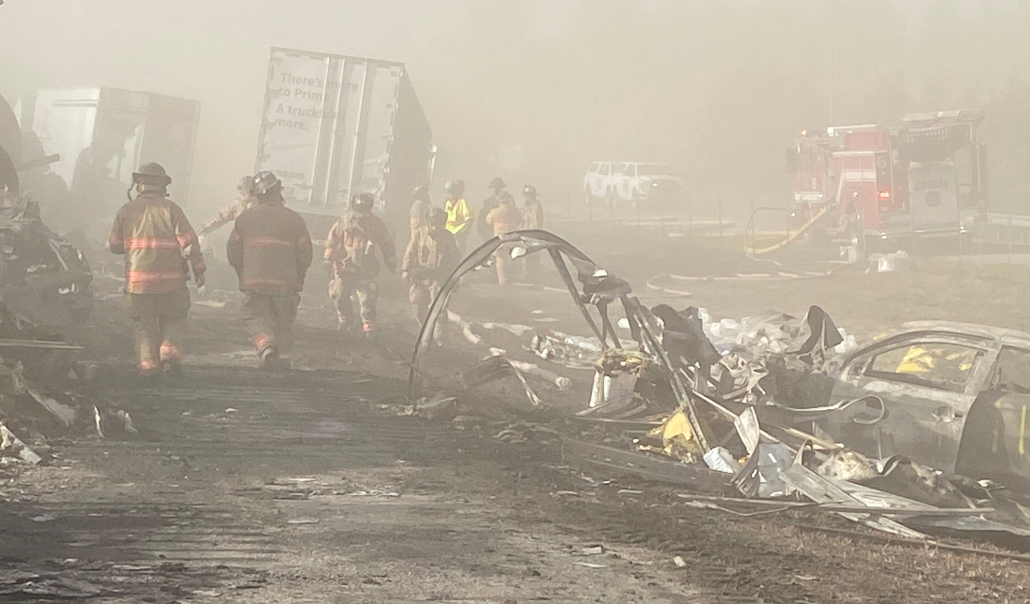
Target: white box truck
334 126
102 135
105 133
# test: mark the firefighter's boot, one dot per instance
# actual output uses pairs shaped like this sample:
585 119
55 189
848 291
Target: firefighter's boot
270 358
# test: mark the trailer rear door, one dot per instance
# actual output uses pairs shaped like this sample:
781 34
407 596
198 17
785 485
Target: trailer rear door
328 127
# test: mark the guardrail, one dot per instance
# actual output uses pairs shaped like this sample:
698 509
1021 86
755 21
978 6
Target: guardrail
1010 230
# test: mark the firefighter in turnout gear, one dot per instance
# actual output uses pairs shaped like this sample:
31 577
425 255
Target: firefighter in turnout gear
420 205
160 248
498 186
231 212
430 258
351 249
505 218
532 218
459 217
270 248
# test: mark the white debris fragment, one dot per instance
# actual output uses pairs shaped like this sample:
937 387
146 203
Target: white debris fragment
9 441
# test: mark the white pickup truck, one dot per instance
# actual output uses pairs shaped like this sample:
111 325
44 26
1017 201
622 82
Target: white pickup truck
633 182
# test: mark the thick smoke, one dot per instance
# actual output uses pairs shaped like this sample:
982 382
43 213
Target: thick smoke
535 90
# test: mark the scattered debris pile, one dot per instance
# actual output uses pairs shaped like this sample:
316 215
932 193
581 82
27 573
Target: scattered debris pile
45 282
910 435
45 290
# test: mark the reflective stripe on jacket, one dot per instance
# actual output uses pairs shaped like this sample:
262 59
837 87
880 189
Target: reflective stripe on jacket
533 215
157 240
352 241
431 254
504 219
270 248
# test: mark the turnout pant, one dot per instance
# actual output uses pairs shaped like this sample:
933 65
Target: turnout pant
159 324
269 320
421 296
503 262
365 289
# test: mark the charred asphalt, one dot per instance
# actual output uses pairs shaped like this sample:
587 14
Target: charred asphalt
309 487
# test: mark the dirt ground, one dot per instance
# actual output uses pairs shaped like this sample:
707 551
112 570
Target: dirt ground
309 487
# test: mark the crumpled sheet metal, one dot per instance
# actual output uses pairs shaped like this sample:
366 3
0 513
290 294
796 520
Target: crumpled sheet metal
591 285
8 441
495 368
534 241
821 489
814 337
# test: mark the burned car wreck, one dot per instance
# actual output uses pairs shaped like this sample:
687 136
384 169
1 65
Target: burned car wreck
955 398
904 435
43 278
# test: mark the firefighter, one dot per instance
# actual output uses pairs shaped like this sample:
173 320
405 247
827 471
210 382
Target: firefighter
498 186
160 248
532 218
351 248
431 256
270 248
532 209
458 214
420 205
244 201
505 218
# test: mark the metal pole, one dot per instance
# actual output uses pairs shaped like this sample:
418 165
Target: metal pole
833 57
719 202
568 204
960 242
1010 239
611 214
752 220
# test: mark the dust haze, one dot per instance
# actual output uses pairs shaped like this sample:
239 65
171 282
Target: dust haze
535 90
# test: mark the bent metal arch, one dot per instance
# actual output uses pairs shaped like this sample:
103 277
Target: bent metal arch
592 285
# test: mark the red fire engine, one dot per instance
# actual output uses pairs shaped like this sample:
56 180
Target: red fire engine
925 178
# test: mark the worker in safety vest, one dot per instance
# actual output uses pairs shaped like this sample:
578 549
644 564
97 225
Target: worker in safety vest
351 248
244 201
160 248
505 218
270 248
459 217
431 256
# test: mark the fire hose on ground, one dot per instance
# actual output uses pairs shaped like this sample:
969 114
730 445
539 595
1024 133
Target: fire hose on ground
791 237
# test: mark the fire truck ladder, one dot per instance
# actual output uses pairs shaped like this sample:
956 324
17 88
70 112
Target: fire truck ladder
791 236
